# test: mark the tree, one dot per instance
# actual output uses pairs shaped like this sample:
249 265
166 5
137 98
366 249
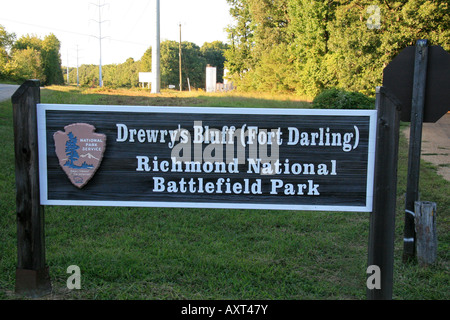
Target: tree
6 41
192 63
214 55
121 75
309 24
308 46
271 21
353 52
239 59
169 63
25 64
52 60
27 41
146 61
3 62
259 40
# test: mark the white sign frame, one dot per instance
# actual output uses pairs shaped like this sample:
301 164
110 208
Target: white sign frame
42 145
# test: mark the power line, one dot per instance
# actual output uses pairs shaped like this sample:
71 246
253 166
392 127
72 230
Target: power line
100 38
70 32
142 14
130 5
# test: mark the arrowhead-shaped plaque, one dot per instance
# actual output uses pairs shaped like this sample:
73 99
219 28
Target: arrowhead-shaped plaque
80 151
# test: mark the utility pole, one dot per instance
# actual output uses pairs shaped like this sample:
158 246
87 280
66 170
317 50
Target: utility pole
78 77
156 71
68 83
100 78
179 54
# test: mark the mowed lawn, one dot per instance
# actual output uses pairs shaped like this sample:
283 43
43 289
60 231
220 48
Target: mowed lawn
160 253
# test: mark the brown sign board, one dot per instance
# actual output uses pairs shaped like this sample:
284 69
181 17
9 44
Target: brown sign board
398 78
282 159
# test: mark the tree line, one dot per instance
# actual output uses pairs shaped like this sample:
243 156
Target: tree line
30 58
194 60
298 46
306 46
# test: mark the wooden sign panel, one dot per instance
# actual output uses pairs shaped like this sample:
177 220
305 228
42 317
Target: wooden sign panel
283 159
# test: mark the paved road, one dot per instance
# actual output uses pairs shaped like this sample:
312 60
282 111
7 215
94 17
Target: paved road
7 90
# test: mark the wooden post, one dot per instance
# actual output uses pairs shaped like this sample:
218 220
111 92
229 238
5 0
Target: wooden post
382 218
415 141
32 277
425 221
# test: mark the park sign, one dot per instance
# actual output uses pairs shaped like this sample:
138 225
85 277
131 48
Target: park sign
336 160
292 159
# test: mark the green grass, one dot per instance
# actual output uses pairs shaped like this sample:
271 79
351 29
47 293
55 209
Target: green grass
158 253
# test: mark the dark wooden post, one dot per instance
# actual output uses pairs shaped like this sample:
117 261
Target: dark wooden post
415 141
32 276
382 218
425 224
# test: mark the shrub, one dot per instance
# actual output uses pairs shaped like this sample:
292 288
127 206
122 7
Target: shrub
340 99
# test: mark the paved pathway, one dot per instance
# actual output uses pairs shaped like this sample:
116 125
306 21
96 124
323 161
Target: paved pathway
7 90
436 144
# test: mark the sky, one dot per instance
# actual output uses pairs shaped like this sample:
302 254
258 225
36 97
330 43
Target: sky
127 25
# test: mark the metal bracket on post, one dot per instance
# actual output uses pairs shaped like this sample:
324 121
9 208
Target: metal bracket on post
32 276
382 218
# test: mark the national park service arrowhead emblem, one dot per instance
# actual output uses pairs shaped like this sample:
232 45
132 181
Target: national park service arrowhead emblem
80 151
